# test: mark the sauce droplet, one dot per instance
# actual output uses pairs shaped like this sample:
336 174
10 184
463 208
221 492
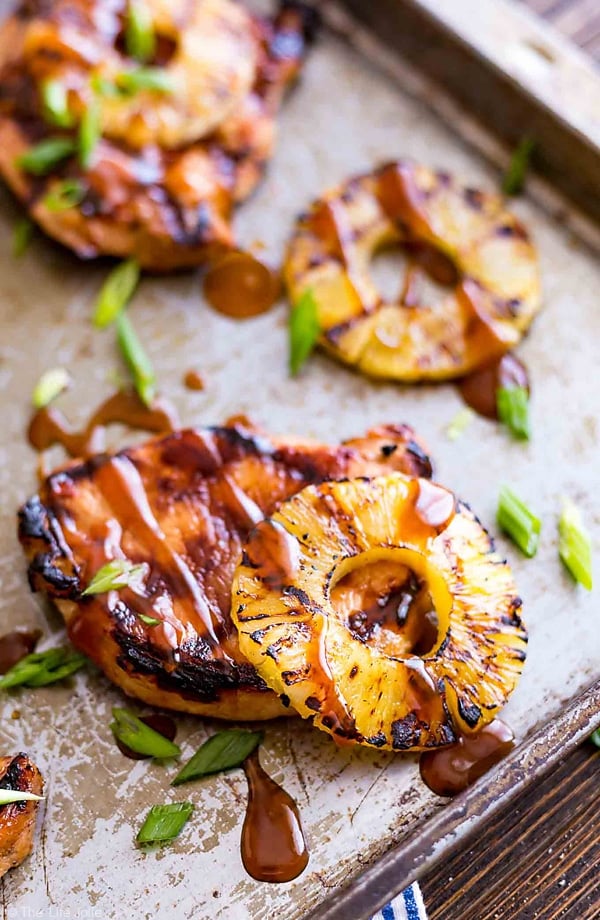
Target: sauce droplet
49 426
193 380
273 847
162 724
240 286
16 645
449 770
479 388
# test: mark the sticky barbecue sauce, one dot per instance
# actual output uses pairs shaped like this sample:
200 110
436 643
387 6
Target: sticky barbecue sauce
479 388
448 770
49 426
192 380
240 286
273 847
17 645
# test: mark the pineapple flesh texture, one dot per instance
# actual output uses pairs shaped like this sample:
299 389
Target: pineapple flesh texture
310 578
488 263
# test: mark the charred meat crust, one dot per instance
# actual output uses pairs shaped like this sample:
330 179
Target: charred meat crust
17 819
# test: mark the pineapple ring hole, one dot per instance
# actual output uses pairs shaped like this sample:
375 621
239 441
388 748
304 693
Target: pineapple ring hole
425 272
388 603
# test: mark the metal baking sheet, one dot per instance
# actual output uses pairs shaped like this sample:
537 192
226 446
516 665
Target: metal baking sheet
357 806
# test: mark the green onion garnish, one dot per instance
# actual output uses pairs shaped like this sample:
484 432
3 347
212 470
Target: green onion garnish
148 621
518 522
65 195
42 668
43 157
102 86
89 134
119 573
50 385
164 822
116 292
55 97
459 423
304 330
513 410
595 738
514 178
7 796
140 40
138 736
575 545
22 235
155 79
137 360
223 751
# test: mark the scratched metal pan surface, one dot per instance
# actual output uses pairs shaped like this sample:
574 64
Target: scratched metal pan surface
357 806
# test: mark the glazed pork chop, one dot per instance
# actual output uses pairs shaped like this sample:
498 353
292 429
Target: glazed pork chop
17 819
183 505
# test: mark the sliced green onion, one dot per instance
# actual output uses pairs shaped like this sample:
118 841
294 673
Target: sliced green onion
514 178
140 40
116 292
42 668
138 736
119 573
155 79
304 330
164 822
459 423
7 796
595 738
50 385
90 132
148 621
575 545
55 97
518 522
513 410
223 751
103 87
22 236
137 360
43 157
65 195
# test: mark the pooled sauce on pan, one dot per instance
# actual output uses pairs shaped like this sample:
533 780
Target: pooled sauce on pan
16 645
193 380
273 847
240 286
449 770
49 426
479 388
162 724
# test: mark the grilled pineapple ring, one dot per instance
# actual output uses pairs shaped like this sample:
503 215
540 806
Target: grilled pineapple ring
294 626
483 255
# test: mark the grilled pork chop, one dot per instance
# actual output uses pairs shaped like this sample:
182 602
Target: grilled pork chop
182 504
17 819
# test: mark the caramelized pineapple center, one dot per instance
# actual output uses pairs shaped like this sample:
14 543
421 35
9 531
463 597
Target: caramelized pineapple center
386 605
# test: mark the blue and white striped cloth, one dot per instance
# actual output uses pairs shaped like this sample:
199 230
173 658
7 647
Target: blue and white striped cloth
407 906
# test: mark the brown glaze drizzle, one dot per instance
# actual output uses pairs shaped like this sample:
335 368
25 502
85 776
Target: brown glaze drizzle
193 380
479 388
273 553
162 724
16 645
240 286
273 847
49 426
449 770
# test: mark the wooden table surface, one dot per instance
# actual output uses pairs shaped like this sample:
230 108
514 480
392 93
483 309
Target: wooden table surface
540 860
